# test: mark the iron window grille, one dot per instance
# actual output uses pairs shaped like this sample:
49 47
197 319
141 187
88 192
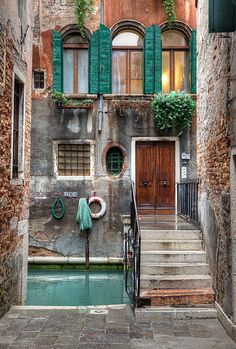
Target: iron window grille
114 161
74 159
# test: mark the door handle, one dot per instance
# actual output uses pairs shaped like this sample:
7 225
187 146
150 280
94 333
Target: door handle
144 182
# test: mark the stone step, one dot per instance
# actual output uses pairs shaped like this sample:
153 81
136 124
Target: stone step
173 297
173 257
174 245
152 314
147 234
174 268
175 281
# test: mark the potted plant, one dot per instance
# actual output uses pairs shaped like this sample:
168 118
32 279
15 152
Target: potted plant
174 110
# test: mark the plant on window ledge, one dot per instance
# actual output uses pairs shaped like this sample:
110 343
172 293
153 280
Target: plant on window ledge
174 110
140 106
169 6
83 10
69 103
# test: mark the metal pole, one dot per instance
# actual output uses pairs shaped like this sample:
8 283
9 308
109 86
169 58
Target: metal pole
87 249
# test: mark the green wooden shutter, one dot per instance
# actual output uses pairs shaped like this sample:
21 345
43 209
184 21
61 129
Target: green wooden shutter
193 62
152 60
105 60
57 60
94 63
222 16
100 61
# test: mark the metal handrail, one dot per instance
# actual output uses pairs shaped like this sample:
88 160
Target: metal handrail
133 252
188 200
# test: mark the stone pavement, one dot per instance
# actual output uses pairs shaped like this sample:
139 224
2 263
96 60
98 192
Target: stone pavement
111 327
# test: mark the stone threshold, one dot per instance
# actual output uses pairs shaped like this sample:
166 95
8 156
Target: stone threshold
73 260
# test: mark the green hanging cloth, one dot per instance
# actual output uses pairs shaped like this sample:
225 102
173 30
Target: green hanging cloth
84 215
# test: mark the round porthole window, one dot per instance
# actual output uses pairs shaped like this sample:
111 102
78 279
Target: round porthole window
114 161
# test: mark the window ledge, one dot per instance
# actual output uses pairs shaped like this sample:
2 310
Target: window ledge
126 96
81 96
16 181
74 178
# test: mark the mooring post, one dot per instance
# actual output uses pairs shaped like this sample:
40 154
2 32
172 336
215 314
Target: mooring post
87 249
87 243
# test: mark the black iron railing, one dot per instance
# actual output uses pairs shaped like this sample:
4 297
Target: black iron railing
188 200
132 252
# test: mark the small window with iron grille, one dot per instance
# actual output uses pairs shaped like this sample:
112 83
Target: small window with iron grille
38 80
74 159
114 161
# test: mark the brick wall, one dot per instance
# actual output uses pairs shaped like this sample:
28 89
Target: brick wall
15 58
214 153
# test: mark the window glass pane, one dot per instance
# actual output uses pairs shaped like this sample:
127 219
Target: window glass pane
172 38
126 38
136 74
119 72
74 160
75 39
82 71
68 71
181 71
166 71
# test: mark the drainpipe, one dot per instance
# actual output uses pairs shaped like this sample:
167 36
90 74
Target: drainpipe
101 96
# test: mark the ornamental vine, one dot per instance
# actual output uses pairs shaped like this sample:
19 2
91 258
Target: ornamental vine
170 11
83 9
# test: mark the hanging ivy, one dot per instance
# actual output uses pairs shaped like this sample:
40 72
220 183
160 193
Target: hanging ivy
174 110
140 106
169 6
83 9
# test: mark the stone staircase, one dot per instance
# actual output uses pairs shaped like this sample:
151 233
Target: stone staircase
174 269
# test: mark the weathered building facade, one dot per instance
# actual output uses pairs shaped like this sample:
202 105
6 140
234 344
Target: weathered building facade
216 148
102 145
15 119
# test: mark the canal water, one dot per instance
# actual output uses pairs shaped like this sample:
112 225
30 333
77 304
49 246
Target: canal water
74 287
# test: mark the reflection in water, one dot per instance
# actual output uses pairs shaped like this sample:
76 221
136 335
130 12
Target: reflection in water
75 287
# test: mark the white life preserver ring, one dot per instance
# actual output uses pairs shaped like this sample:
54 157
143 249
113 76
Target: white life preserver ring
102 203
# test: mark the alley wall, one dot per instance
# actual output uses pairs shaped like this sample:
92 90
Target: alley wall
214 153
15 64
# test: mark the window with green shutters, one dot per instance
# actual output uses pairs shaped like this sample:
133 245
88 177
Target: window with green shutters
152 60
100 61
222 16
70 63
57 57
193 62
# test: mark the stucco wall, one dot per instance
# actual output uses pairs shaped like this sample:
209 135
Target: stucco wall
47 235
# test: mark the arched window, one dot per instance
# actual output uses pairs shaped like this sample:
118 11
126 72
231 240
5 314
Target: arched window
127 63
75 64
175 61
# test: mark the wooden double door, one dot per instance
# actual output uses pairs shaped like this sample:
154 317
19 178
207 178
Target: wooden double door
155 177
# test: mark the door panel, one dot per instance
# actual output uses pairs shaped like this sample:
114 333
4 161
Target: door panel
155 176
145 176
165 168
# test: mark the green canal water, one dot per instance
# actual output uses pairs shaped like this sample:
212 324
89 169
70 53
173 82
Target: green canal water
75 287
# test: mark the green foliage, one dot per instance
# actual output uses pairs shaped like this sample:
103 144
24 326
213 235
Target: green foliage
83 10
60 99
170 11
174 110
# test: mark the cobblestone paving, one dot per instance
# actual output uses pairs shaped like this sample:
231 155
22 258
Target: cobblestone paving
108 328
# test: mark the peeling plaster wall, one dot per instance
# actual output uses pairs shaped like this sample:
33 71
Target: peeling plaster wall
47 235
